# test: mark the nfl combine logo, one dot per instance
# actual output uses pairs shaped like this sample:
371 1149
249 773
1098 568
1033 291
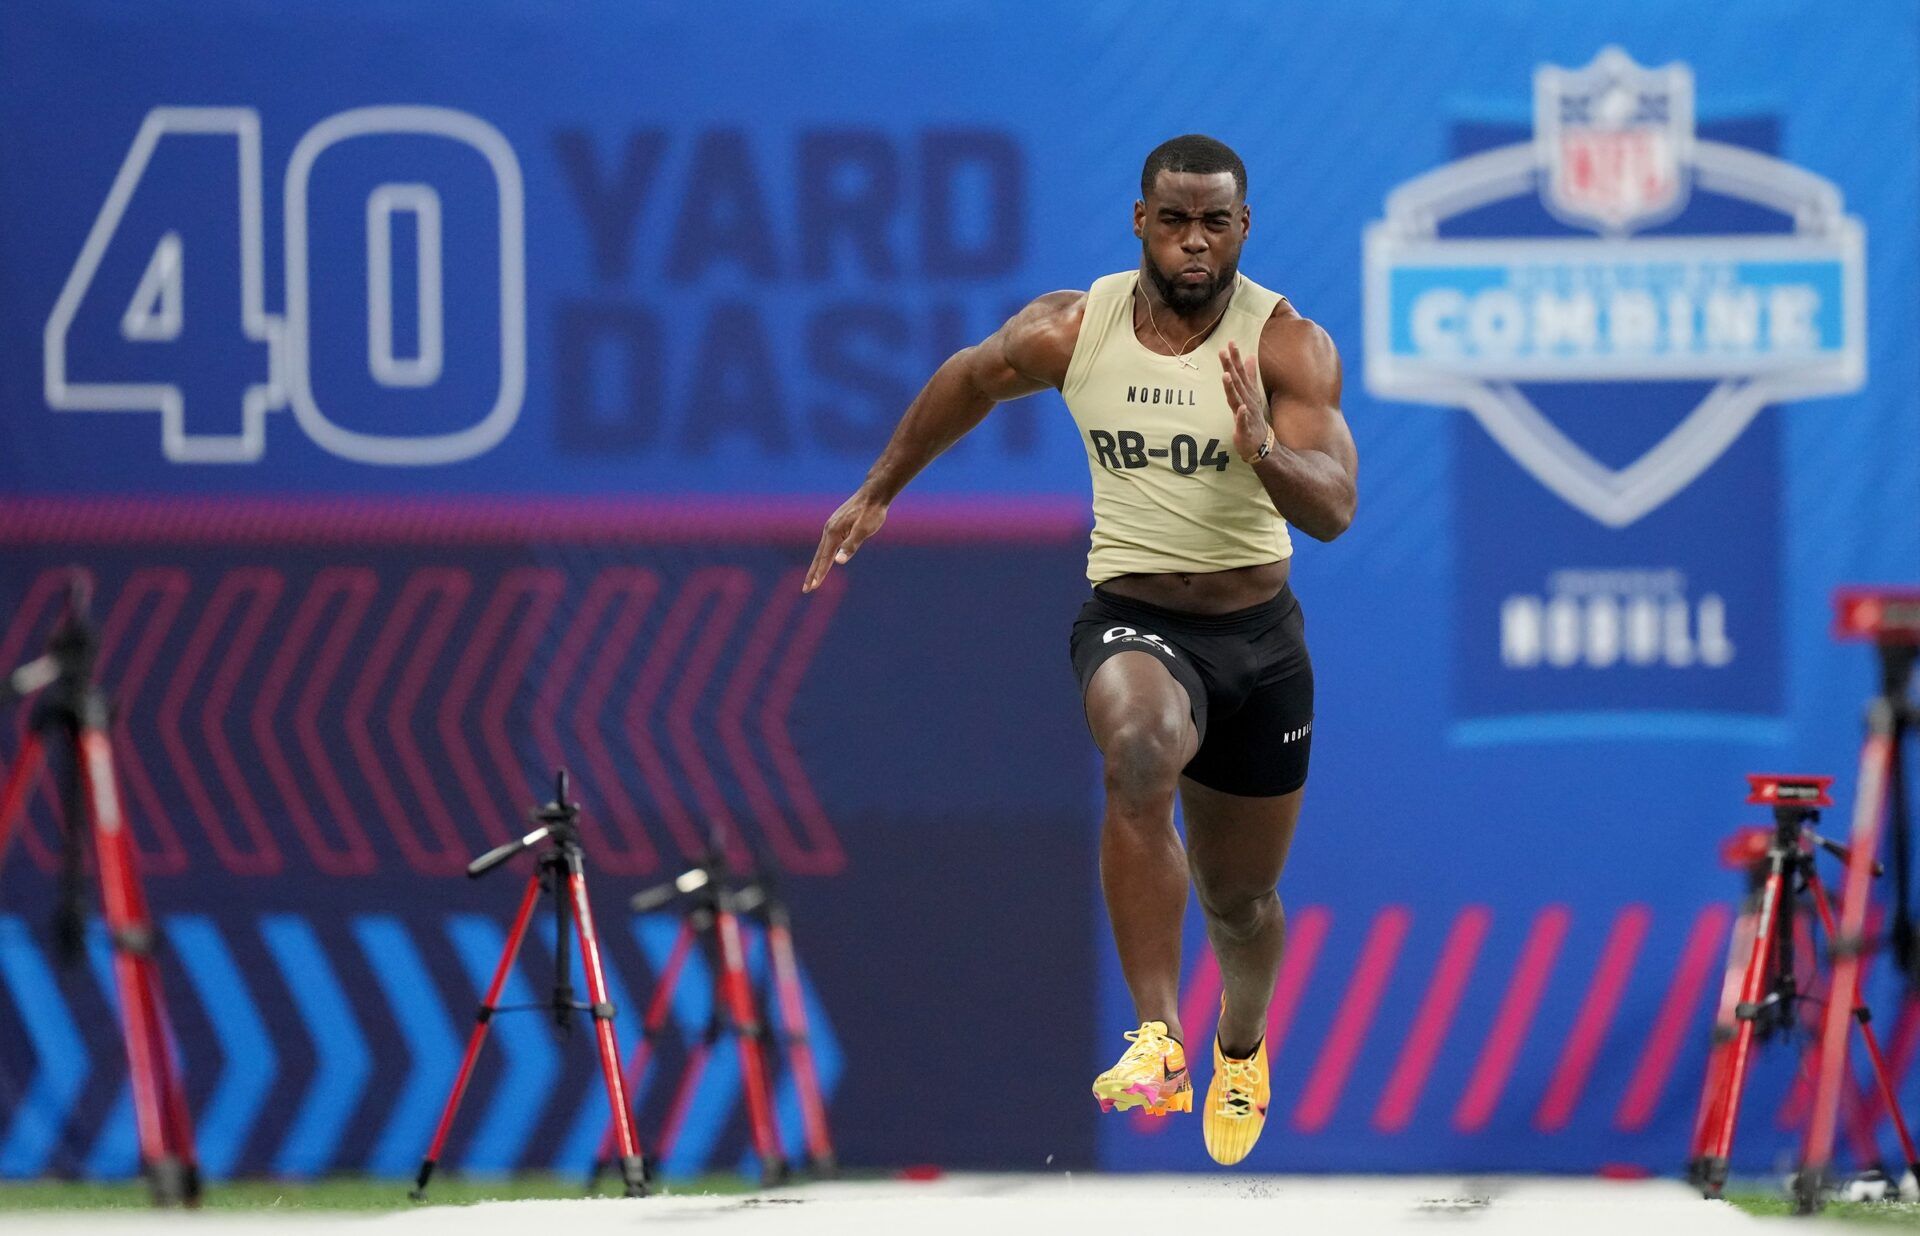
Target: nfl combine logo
1765 316
1615 296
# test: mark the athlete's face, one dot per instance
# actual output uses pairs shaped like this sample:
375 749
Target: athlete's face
1191 227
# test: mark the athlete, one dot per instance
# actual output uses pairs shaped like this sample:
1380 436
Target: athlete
1210 412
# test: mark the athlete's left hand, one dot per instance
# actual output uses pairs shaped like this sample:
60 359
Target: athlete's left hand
1248 399
858 518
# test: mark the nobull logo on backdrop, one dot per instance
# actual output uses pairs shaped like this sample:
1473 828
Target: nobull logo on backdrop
1615 296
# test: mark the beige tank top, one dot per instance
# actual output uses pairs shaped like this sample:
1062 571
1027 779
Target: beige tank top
1169 491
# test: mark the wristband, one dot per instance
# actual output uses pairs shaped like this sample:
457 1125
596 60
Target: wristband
1266 448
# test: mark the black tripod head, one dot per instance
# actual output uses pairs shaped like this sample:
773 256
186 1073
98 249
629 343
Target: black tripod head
72 649
69 701
715 883
558 821
1796 799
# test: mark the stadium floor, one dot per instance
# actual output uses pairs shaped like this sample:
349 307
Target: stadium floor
1011 1205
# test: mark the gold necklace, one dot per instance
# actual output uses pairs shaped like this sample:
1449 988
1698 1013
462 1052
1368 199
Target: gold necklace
1180 356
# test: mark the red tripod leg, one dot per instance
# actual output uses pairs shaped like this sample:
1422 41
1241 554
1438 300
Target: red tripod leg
736 993
1706 1121
178 1116
481 1021
13 796
655 1021
1714 1171
633 1169
793 1024
1881 1077
159 1094
1847 942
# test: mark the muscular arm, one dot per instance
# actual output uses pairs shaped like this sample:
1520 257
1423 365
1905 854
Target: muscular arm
1312 469
1027 354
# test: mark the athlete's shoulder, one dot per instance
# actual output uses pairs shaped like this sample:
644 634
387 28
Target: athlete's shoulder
1290 332
1038 341
1051 308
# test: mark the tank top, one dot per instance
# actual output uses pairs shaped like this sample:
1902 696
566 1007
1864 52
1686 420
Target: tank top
1170 493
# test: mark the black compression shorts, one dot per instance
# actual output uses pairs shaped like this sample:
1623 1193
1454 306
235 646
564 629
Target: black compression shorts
1247 674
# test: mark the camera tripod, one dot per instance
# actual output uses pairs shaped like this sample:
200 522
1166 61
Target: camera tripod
1890 620
561 874
70 720
1770 991
713 901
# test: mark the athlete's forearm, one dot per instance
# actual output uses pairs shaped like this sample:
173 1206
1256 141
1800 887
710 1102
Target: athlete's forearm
1309 489
947 407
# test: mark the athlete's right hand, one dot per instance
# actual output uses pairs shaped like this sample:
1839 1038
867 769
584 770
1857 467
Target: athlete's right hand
858 518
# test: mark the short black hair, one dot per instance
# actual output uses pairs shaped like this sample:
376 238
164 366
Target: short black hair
1193 152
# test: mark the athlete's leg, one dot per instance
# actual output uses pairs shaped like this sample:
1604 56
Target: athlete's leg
1142 721
1236 847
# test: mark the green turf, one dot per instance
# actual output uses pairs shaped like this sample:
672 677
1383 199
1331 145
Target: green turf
334 1193
1889 1214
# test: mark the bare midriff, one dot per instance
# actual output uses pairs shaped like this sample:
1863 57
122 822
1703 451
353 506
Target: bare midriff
1204 592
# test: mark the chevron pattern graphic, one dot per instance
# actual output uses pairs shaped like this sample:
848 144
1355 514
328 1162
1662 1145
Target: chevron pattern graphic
315 1048
301 744
340 718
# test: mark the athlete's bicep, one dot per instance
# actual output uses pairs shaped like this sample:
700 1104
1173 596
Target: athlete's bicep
1030 352
1302 371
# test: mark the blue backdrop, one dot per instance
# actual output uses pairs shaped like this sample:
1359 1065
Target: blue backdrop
439 398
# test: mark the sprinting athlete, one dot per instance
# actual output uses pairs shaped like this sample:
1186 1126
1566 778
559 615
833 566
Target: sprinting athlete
1210 411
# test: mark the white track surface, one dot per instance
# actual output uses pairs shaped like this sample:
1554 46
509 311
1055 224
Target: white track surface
1058 1205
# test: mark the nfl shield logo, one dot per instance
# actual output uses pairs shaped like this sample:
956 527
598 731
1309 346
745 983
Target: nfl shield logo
1614 138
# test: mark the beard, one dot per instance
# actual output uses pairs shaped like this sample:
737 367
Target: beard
1189 298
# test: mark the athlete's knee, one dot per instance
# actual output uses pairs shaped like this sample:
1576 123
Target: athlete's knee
1144 754
1240 914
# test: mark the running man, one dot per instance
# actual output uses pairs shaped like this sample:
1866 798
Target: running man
1210 412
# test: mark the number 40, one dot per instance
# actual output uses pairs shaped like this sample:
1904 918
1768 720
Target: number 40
155 315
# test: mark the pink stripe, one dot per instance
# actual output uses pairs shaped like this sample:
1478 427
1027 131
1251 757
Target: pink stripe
1306 932
1202 1002
731 588
1431 1023
1511 1023
449 587
264 857
155 595
824 854
356 587
373 685
916 520
236 654
480 656
1705 944
1329 1076
663 661
634 589
543 589
1596 1014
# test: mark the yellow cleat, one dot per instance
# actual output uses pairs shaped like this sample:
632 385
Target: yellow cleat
1236 1104
1152 1075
